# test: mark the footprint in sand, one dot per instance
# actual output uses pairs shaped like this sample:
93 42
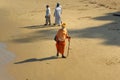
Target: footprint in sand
113 61
85 17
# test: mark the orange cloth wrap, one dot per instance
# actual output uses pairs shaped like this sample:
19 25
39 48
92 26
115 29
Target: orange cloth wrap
60 45
62 34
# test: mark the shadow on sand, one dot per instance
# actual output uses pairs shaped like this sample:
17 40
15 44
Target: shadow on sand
34 59
38 26
109 32
42 34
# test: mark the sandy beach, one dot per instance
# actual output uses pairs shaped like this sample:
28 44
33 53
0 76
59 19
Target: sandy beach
27 48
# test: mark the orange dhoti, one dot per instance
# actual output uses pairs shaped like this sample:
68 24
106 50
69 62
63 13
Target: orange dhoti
60 45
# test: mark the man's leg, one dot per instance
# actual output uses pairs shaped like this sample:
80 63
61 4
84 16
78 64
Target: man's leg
59 21
46 20
49 20
55 21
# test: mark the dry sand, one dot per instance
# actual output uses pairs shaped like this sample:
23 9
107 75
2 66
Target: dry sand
95 45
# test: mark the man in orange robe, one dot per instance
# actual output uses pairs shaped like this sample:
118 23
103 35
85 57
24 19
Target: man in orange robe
61 35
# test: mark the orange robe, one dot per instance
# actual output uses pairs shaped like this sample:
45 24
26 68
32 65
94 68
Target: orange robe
60 43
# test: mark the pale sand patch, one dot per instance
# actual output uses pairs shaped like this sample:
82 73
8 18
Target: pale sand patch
5 57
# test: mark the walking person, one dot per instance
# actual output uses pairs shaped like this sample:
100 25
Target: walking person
57 14
61 36
48 15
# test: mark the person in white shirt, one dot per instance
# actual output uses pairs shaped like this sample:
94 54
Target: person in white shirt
57 14
47 16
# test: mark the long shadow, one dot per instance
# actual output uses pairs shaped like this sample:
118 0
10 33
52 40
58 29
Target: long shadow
43 34
108 32
38 26
34 59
